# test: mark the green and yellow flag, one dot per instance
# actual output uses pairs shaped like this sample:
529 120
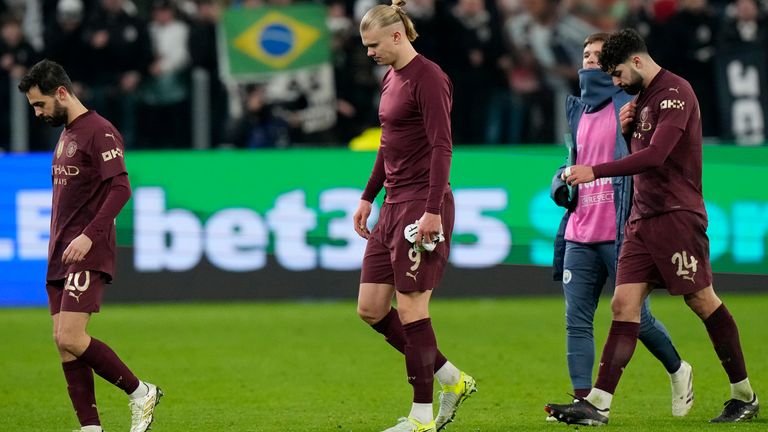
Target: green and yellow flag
269 40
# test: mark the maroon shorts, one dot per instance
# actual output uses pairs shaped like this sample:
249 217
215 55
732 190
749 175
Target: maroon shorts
77 292
390 259
669 251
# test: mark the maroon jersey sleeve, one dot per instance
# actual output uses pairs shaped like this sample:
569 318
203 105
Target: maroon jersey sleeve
107 152
118 194
674 111
433 96
662 142
376 181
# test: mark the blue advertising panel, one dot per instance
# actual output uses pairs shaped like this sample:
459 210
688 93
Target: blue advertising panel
25 213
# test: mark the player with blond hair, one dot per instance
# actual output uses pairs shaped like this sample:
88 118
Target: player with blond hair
408 248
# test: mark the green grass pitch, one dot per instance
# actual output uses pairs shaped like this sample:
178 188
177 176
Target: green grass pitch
316 367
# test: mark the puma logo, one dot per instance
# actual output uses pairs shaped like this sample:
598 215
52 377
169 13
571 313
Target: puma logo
77 297
106 135
412 275
675 89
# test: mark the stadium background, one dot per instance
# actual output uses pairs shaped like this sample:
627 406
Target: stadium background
247 155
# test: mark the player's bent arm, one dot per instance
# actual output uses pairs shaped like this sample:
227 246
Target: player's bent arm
119 194
663 141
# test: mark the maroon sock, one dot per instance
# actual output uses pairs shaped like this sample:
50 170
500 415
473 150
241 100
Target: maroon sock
725 337
108 365
582 393
392 330
79 378
420 353
618 350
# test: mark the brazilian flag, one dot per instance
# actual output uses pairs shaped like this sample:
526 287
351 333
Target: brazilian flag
267 40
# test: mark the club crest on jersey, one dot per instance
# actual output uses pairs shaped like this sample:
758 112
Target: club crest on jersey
672 104
71 148
111 154
645 125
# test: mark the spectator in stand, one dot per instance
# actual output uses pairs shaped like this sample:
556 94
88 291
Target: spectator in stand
353 74
427 16
690 38
64 44
642 15
202 50
165 93
16 56
30 16
549 42
121 55
745 26
259 127
471 45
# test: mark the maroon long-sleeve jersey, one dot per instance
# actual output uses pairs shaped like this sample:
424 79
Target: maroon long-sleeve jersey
414 159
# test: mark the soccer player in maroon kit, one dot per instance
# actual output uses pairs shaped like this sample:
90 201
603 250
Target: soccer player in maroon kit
90 186
665 244
413 164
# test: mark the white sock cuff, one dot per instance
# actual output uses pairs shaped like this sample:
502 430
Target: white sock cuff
448 374
742 390
140 391
422 412
600 399
676 374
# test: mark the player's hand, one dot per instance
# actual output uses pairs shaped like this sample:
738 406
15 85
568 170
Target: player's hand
77 250
577 174
360 219
430 226
627 116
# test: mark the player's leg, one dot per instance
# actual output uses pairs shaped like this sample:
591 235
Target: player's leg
656 339
420 272
622 340
377 287
653 334
78 375
593 410
683 260
374 299
420 351
724 334
583 279
82 296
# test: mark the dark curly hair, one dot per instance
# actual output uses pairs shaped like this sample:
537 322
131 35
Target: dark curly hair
47 75
619 47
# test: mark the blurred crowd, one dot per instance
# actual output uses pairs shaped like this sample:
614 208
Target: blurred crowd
510 62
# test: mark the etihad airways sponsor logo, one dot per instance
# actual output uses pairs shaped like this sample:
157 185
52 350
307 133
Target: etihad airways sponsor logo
65 170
